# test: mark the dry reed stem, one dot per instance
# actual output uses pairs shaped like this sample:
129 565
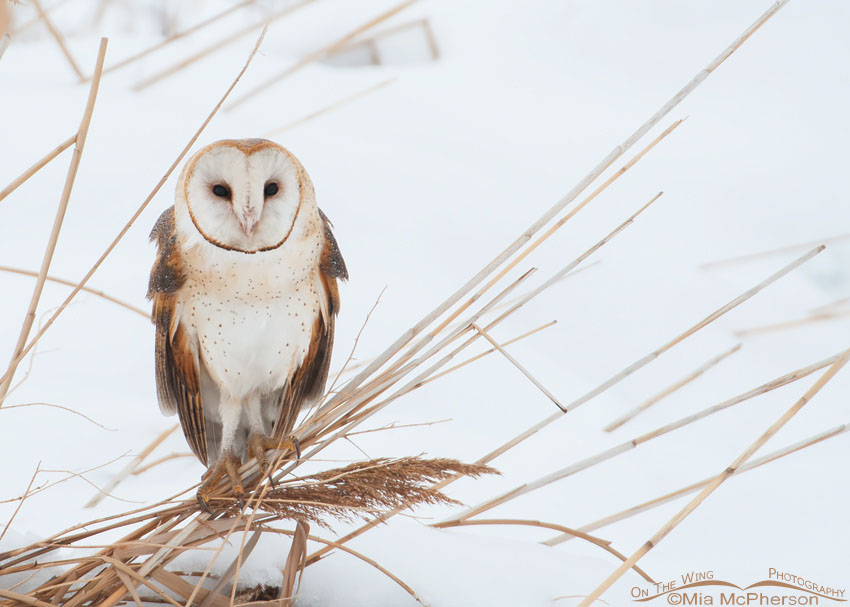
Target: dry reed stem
319 53
80 141
28 24
161 460
331 107
265 22
296 561
671 389
604 544
21 502
4 44
771 252
719 479
68 283
59 40
371 41
791 324
37 166
519 366
131 465
178 36
472 359
628 445
244 553
54 406
136 215
668 497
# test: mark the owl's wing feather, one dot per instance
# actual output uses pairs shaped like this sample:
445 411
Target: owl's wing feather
178 383
308 382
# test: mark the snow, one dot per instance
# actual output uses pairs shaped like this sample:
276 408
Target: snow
426 180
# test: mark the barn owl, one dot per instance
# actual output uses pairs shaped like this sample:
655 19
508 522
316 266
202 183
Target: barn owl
245 295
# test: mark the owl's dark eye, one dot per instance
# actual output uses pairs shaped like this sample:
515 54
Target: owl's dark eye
271 189
222 191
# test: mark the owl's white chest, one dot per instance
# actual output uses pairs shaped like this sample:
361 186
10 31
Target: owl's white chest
252 315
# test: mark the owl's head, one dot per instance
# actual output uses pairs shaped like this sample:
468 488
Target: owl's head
244 195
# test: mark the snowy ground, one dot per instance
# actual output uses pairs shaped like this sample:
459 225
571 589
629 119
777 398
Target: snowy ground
426 180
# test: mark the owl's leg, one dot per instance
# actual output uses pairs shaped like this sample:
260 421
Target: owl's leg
259 442
230 412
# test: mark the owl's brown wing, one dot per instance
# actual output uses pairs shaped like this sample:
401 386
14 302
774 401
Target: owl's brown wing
178 383
308 382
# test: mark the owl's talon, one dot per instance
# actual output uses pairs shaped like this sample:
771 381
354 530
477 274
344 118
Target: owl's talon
258 444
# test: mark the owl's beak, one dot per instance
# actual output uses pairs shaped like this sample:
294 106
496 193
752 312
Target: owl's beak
247 220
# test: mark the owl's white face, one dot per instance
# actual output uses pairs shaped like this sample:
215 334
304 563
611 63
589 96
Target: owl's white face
244 195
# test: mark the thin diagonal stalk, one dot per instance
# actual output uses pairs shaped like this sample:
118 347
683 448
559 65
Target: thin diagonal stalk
671 389
668 497
59 39
321 52
718 480
37 166
80 142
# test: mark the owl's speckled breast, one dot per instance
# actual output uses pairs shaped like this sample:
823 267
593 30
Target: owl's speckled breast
252 315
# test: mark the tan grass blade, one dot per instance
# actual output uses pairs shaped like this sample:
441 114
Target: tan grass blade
68 283
772 252
792 324
604 544
607 454
59 39
6 377
671 389
719 479
668 497
331 107
80 142
319 53
519 366
38 166
263 23
132 465
178 36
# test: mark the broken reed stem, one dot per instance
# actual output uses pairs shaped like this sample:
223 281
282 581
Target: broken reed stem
771 252
790 324
611 452
604 544
178 36
671 389
319 53
68 283
131 465
80 141
131 221
59 40
639 364
718 480
37 166
472 359
668 497
519 366
331 107
264 23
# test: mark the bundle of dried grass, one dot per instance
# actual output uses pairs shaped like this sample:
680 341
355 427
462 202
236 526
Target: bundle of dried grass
361 489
